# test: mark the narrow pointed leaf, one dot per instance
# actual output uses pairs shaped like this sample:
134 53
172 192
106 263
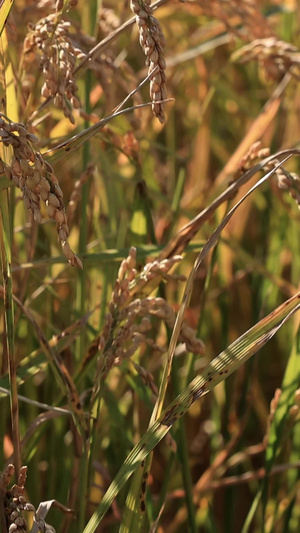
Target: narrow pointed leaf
221 367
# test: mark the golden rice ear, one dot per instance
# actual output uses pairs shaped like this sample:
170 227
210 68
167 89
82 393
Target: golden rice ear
50 40
152 42
128 324
15 503
276 56
36 179
242 19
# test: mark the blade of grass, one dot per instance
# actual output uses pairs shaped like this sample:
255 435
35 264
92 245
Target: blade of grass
107 256
134 515
251 512
76 141
221 367
37 360
183 455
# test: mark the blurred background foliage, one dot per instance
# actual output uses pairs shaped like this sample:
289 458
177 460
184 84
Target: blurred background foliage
145 181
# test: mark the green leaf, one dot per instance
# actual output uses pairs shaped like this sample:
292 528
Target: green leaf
221 367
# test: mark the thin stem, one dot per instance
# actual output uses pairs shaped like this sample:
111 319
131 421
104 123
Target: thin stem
5 244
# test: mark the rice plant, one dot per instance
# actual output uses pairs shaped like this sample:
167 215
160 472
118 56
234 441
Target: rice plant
149 288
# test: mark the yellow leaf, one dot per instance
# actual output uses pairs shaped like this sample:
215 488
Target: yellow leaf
5 7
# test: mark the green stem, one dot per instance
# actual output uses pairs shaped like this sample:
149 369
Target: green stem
81 285
5 243
89 18
184 456
84 476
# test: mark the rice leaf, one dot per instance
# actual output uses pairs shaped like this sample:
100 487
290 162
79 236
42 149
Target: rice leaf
221 367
